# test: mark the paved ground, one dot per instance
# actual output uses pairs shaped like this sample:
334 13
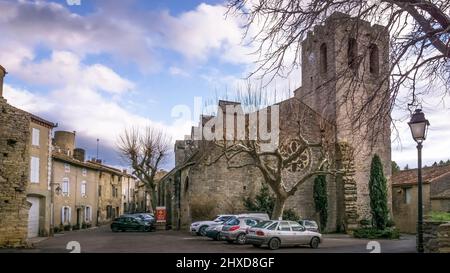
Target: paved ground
103 240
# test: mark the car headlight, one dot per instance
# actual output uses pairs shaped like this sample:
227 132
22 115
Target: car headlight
195 224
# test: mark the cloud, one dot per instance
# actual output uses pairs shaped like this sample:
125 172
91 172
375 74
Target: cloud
176 71
77 100
36 23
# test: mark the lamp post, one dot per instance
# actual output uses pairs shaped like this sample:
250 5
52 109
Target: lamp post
419 127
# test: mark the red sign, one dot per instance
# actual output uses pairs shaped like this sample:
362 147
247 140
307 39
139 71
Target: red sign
161 214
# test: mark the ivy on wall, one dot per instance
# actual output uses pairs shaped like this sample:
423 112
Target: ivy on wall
321 199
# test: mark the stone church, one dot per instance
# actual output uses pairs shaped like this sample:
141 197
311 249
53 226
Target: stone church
344 64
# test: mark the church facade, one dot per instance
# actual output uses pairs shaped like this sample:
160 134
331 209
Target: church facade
344 64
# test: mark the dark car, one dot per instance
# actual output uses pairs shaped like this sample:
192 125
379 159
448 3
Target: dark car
125 223
147 217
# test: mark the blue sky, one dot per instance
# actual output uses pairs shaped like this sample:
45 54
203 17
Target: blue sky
106 65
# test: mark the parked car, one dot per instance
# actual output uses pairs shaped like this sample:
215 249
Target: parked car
235 230
275 234
309 225
126 222
145 217
213 232
200 227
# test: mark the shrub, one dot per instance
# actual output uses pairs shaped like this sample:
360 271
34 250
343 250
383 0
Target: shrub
374 233
75 227
365 223
203 207
290 215
56 230
67 227
321 199
439 216
378 194
263 202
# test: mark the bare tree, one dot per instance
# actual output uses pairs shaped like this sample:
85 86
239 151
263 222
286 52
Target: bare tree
286 167
419 41
145 151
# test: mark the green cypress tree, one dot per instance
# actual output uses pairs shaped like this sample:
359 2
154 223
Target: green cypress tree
321 200
378 194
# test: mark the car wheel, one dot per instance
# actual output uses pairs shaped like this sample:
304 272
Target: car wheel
314 242
217 237
257 245
240 240
230 241
274 243
202 231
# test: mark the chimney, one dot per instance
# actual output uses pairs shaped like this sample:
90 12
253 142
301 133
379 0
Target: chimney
2 76
79 154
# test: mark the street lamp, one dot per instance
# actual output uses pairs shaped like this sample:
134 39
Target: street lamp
419 128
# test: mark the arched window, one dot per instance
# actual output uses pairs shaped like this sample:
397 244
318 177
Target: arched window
352 54
374 59
323 59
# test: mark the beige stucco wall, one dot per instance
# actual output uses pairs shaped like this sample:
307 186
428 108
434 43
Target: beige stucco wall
405 215
75 200
42 189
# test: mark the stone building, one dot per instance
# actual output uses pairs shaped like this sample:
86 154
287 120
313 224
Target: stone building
14 172
128 193
436 188
331 55
109 192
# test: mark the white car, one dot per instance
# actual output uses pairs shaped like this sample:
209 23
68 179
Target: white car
199 228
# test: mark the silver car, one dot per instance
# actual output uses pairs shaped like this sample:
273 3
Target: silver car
309 225
275 234
235 229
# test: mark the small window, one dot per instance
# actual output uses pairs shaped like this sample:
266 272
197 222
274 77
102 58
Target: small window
374 59
323 59
34 170
35 137
84 172
67 168
88 214
65 186
352 53
65 215
408 195
83 189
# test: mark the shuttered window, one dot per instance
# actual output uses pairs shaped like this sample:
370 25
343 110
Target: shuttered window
83 188
35 137
34 169
65 186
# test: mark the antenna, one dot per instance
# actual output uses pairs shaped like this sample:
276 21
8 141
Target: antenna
98 140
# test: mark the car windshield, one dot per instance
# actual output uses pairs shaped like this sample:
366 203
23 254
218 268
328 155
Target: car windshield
232 222
222 218
264 224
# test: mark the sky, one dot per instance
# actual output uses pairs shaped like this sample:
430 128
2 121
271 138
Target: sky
103 66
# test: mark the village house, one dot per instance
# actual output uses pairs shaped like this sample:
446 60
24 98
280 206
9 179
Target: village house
128 193
38 190
436 189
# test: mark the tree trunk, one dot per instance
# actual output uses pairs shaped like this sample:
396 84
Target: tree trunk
278 209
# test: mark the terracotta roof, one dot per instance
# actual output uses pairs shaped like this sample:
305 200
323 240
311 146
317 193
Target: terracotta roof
442 195
41 120
409 177
87 164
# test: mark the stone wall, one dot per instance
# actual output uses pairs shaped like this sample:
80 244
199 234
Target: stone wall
436 236
14 172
